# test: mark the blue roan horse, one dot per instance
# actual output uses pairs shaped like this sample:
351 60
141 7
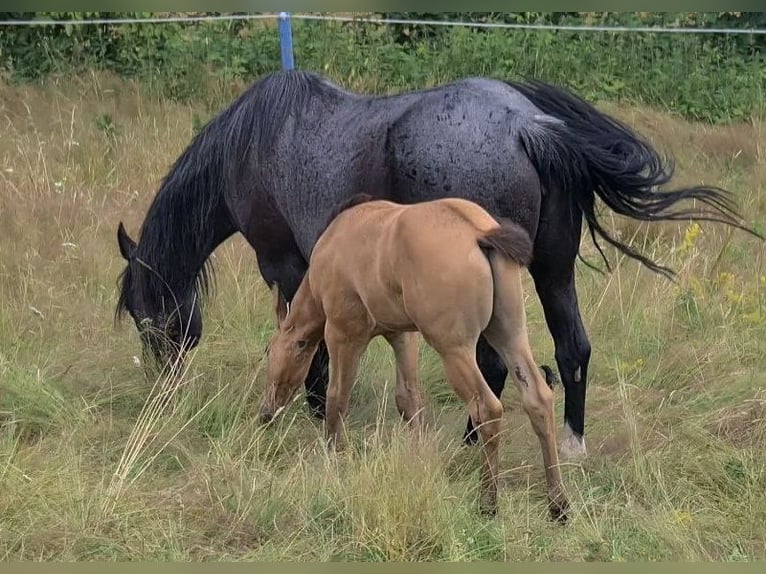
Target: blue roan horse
293 146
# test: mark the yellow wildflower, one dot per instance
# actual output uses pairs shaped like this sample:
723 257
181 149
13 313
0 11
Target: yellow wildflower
690 236
683 517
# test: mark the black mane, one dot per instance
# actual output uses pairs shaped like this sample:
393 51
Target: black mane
176 236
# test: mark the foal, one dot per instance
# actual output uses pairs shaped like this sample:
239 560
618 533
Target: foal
444 268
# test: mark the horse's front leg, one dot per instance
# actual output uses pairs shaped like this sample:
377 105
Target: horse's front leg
287 268
316 381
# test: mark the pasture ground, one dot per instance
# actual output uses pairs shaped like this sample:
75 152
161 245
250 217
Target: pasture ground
676 403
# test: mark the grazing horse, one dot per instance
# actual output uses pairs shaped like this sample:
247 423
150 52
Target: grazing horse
277 162
444 268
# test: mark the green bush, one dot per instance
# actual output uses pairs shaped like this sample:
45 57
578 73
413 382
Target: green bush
710 77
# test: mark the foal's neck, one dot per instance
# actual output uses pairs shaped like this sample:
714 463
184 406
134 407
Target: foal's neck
306 313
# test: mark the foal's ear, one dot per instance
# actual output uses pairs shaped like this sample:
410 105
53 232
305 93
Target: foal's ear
127 245
280 304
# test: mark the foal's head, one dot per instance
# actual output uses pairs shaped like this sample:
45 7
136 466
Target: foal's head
290 352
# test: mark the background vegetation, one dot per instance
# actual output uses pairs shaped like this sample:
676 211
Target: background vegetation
713 77
92 467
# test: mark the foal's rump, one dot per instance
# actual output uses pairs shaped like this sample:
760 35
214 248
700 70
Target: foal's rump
510 241
443 252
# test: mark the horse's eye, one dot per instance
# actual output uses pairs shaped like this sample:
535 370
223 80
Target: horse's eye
301 345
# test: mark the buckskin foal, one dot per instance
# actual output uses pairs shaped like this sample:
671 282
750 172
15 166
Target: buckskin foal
445 268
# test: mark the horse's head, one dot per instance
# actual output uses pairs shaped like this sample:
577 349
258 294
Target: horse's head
168 325
289 354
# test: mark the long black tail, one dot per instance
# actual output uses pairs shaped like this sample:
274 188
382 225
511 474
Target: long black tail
592 154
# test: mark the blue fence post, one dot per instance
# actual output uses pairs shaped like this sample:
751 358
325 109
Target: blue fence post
286 41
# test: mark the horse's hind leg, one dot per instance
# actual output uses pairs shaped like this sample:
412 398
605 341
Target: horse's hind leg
555 285
484 408
409 401
507 333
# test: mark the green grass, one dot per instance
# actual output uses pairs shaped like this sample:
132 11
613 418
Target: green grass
90 471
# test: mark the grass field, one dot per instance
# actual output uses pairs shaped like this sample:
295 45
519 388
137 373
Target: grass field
676 403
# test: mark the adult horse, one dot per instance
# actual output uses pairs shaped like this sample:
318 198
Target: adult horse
277 162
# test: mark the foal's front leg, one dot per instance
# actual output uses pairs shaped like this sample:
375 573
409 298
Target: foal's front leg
345 351
409 400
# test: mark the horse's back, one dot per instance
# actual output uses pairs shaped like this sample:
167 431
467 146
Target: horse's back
465 141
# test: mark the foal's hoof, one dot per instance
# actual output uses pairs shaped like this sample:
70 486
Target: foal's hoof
551 378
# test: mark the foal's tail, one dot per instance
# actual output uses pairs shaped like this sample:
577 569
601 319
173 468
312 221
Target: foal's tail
510 240
589 154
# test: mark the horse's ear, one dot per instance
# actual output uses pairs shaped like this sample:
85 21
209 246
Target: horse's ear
280 304
127 245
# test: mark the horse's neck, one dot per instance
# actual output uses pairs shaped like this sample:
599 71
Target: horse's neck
179 257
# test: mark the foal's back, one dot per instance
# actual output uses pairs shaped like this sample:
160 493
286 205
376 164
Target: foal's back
387 266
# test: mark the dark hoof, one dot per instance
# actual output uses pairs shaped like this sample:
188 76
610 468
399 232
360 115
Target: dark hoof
316 407
559 512
470 438
551 378
266 418
488 509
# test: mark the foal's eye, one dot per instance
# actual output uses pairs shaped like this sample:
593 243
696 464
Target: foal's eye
301 345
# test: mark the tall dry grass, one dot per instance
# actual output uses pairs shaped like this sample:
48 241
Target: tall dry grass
92 466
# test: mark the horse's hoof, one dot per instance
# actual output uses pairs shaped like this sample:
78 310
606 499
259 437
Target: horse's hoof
559 511
317 409
470 437
488 508
551 378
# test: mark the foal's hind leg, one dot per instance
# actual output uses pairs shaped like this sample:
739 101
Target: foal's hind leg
484 408
495 372
537 400
409 401
507 333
